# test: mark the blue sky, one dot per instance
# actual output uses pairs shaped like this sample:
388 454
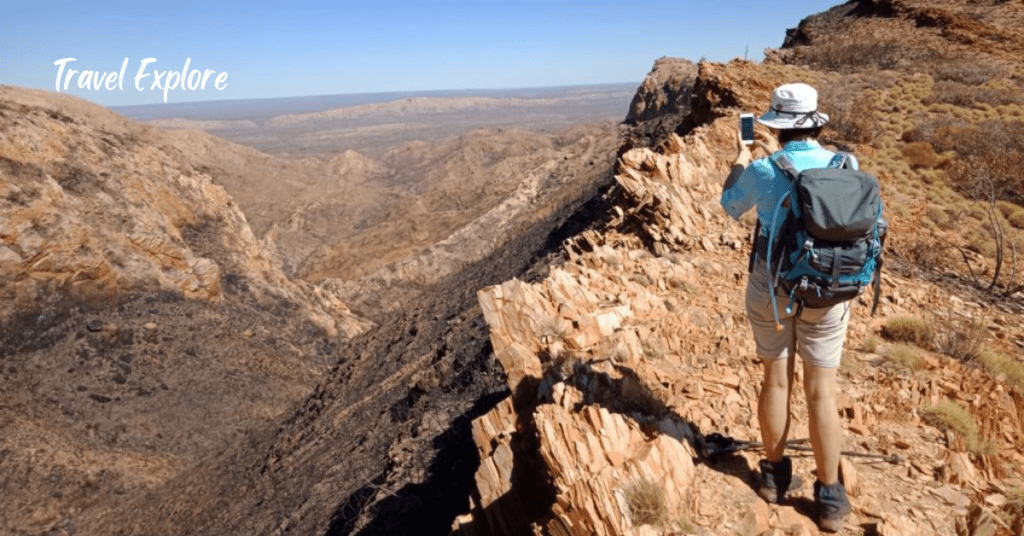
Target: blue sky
298 48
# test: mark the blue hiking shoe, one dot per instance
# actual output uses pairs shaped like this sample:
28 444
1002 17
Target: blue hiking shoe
777 480
832 504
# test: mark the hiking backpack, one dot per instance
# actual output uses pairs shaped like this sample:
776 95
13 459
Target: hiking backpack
829 249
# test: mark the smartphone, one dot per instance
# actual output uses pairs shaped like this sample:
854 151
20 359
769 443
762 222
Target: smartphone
747 128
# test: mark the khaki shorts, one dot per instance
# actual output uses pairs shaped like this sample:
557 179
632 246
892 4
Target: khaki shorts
818 334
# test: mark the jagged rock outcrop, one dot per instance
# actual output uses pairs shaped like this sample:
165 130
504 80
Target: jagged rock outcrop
743 86
661 102
665 91
96 208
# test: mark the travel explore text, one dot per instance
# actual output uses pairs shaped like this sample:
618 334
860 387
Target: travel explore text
184 80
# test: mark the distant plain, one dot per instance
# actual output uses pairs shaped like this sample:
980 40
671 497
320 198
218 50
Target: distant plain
371 123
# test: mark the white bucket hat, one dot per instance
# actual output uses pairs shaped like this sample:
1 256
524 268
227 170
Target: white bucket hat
794 106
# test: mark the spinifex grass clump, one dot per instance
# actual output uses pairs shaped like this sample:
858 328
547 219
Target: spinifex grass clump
949 415
908 329
870 343
998 364
646 501
906 356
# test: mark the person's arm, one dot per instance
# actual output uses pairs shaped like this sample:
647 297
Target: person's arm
738 189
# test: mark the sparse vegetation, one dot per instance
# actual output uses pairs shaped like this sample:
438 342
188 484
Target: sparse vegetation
957 94
646 502
678 283
924 252
970 73
870 344
960 338
909 330
851 120
998 364
850 55
950 415
685 526
849 367
654 349
552 329
907 356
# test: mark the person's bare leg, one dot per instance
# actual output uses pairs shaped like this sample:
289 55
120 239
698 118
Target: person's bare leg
773 407
826 431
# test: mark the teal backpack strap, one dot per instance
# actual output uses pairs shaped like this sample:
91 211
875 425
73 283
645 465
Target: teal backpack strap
783 162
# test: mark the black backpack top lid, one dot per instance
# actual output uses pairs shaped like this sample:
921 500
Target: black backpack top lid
836 204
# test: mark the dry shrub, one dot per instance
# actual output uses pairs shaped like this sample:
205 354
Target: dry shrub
971 73
949 415
851 54
965 96
909 329
980 240
850 119
939 132
988 156
646 501
920 154
960 338
927 253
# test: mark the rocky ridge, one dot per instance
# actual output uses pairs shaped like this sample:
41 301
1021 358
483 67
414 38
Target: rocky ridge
631 353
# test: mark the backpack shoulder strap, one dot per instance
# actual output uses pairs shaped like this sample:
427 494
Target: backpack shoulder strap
784 163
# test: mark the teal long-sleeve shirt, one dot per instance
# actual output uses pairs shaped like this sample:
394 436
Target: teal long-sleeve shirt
762 184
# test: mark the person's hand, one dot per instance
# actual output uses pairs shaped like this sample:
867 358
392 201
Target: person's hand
745 156
768 143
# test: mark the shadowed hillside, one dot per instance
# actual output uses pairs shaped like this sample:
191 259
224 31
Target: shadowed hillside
152 341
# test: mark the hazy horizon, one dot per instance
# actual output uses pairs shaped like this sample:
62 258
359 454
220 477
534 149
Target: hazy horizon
260 108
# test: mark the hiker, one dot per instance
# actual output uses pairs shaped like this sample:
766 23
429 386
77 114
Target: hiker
817 333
